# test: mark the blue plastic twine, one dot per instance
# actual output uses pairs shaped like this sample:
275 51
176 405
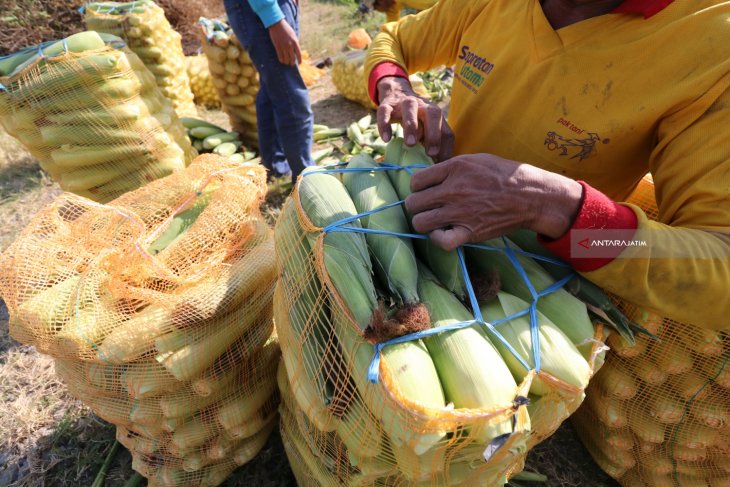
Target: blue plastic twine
374 366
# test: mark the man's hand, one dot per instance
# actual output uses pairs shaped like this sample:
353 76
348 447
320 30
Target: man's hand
421 120
286 43
476 197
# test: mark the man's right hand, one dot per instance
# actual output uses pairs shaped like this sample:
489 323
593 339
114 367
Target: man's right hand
421 120
286 43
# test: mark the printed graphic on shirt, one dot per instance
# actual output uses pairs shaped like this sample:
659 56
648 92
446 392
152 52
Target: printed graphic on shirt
573 147
473 70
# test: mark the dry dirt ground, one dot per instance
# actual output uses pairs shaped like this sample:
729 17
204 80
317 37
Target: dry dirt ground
47 438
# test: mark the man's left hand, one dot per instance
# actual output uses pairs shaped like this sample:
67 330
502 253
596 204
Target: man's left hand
472 198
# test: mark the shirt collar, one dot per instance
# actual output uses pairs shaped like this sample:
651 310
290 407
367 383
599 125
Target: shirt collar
644 7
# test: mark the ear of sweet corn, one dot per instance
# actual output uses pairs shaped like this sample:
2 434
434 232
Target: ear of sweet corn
560 307
314 392
471 370
445 265
395 262
325 201
558 355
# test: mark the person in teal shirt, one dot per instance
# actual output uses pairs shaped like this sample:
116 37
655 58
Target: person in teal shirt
269 30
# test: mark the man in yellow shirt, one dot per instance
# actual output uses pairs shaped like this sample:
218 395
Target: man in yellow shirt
559 107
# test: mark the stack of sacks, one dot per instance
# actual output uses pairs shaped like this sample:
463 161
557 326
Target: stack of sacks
90 112
158 311
201 82
658 412
234 76
143 25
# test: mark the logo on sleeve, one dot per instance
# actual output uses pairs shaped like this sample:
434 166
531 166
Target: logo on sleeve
473 71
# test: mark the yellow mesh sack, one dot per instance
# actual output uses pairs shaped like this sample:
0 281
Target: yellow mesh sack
234 76
351 427
158 310
143 25
348 76
658 412
90 112
201 81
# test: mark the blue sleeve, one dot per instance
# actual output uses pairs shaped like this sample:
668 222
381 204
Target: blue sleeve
267 10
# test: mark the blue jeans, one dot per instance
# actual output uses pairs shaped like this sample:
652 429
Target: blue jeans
283 111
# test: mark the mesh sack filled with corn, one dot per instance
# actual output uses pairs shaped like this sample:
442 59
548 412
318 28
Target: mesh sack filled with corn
201 81
658 413
234 76
399 380
143 25
90 112
348 76
158 311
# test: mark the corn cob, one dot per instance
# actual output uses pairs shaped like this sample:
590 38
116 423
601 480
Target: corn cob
558 355
471 370
193 359
394 261
560 307
445 265
579 286
313 391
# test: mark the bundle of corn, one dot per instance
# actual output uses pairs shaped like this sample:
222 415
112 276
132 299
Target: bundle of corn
658 413
158 311
234 76
201 82
454 400
142 24
90 112
310 73
207 137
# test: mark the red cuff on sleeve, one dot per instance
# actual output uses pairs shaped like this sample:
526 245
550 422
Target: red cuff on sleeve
382 70
598 212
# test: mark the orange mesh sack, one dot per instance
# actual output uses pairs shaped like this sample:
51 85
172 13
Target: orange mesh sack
143 25
201 81
158 310
234 76
90 112
389 378
658 412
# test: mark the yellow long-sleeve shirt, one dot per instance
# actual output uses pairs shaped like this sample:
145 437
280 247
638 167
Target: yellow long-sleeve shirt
604 100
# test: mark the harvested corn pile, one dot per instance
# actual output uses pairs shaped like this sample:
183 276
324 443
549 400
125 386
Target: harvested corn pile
658 413
91 113
207 137
391 379
158 311
234 76
142 24
348 76
201 82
